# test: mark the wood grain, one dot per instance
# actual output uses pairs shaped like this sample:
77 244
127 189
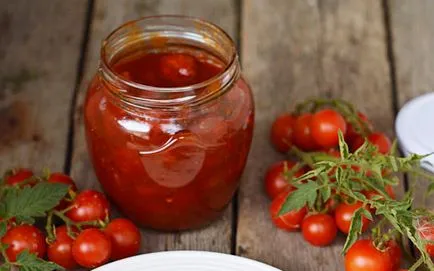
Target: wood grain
292 50
107 16
39 52
413 40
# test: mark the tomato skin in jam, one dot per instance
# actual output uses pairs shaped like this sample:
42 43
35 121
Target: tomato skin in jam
169 170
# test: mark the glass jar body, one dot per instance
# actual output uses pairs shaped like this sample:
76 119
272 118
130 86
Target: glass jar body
170 170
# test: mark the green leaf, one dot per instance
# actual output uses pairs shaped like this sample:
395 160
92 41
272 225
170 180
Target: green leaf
343 146
5 267
30 262
305 194
326 192
3 228
355 229
33 201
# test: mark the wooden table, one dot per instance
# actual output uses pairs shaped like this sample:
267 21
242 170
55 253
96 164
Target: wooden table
377 54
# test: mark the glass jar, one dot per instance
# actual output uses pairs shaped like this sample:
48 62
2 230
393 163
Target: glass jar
169 121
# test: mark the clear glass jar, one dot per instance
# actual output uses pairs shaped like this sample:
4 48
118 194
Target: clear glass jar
169 144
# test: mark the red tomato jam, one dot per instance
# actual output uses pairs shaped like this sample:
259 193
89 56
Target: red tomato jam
175 163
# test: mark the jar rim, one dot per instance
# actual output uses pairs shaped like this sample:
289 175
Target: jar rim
114 75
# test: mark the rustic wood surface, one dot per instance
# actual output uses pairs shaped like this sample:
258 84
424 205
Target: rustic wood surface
374 53
307 48
39 53
412 33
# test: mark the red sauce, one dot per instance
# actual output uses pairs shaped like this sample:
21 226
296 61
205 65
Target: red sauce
169 170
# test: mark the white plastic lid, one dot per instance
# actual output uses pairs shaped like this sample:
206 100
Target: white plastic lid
415 128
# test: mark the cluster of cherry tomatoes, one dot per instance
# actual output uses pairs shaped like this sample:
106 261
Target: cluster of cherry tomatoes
318 132
85 237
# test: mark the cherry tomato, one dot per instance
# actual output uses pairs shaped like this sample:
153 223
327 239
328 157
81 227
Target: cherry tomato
330 205
91 248
426 231
395 254
290 221
178 68
364 256
24 237
125 238
18 176
351 132
334 152
63 179
281 132
344 213
325 125
275 182
302 133
60 251
319 229
371 193
89 205
58 177
380 140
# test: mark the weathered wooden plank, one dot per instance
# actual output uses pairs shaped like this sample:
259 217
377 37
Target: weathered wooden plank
107 16
292 50
413 40
39 52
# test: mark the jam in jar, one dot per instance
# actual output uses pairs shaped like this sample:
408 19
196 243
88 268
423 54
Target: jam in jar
169 121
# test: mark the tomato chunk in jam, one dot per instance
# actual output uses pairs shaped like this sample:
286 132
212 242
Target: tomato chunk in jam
169 169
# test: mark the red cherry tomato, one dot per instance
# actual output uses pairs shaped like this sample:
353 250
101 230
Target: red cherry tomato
344 213
371 193
281 132
18 176
91 248
319 229
395 254
325 125
426 231
334 152
380 140
302 133
330 205
125 238
364 256
180 69
24 237
351 133
275 182
89 205
290 221
60 251
58 177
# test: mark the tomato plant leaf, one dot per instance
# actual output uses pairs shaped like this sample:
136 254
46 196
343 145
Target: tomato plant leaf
355 229
33 201
343 146
326 192
30 262
305 194
3 228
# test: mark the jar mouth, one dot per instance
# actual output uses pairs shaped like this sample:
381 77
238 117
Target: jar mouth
202 32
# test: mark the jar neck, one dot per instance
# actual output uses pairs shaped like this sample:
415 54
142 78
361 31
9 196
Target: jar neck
161 32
